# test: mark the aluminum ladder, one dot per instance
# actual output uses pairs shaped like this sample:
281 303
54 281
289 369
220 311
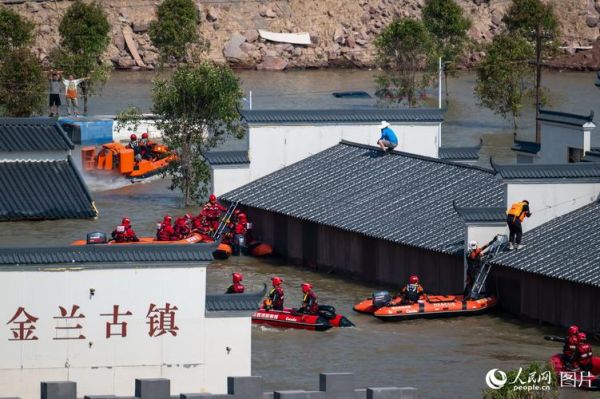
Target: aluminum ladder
494 249
225 220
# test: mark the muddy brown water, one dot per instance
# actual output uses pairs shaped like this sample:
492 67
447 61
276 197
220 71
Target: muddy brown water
444 358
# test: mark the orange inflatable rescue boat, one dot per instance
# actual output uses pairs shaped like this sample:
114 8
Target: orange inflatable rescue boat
117 158
385 307
99 238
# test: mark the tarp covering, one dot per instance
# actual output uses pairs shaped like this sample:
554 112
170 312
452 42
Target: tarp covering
293 38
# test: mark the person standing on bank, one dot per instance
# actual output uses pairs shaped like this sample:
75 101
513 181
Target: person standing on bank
54 97
71 94
515 216
388 139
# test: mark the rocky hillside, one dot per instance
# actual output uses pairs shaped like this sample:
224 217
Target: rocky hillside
341 31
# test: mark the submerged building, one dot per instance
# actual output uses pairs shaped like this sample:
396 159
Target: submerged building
38 177
381 218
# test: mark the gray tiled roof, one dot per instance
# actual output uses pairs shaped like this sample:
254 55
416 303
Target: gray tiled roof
565 118
539 171
32 134
43 190
227 157
592 156
526 146
398 197
105 254
565 248
460 153
330 116
238 303
482 214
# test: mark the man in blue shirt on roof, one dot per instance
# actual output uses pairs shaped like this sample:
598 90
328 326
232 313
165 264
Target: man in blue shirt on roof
388 139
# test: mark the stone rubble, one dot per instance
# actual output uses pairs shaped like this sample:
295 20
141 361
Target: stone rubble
342 32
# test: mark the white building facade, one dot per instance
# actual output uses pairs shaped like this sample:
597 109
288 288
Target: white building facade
104 324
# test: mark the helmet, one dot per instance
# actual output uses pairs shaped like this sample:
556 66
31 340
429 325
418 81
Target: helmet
167 219
581 337
276 281
573 330
144 135
413 279
187 216
472 244
133 137
237 277
242 216
125 222
212 198
237 212
306 287
527 202
180 222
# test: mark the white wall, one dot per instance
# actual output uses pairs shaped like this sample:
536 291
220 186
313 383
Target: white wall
225 178
273 147
34 156
557 138
145 126
102 365
550 200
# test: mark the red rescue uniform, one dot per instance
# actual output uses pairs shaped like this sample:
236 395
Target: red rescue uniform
310 304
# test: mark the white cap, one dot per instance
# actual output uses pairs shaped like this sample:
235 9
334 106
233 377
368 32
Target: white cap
384 124
472 244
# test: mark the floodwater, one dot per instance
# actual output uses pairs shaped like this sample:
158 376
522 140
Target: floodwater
446 358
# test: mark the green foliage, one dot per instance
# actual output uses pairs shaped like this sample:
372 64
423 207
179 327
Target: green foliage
84 29
519 381
195 109
533 19
175 28
130 118
406 53
446 21
22 84
504 75
15 31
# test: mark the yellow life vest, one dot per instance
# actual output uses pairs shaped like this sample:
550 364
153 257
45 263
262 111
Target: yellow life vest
516 210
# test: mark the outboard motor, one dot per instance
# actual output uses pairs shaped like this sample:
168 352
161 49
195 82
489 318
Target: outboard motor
239 245
96 237
381 299
327 311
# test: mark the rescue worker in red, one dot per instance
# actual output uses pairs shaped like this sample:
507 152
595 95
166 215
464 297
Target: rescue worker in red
474 262
276 295
134 144
570 347
309 300
200 225
124 232
145 147
514 217
212 211
241 225
413 291
236 287
181 228
584 353
165 231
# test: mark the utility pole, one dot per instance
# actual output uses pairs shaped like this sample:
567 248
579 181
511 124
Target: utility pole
440 83
538 82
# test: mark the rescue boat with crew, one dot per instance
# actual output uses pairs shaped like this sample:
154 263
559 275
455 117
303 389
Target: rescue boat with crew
582 380
385 307
290 318
116 158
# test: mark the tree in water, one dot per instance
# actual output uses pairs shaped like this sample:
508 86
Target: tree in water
445 20
406 54
195 109
22 80
175 29
537 23
503 76
84 30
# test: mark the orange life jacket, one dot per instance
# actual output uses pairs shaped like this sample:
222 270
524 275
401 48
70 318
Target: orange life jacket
516 210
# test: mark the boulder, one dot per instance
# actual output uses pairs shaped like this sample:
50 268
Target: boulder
339 36
140 27
119 41
361 42
597 5
248 48
251 35
151 57
232 50
212 14
497 17
125 62
297 52
45 29
268 13
350 41
591 21
270 63
365 18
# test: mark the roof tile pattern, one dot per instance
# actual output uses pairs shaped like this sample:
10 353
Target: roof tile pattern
32 134
583 170
398 197
459 153
247 302
565 118
497 214
565 248
105 254
227 157
43 190
369 115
